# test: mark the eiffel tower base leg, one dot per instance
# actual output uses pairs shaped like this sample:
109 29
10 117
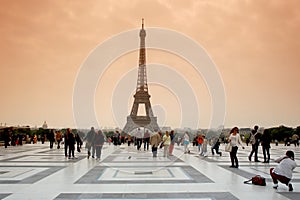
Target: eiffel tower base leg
131 125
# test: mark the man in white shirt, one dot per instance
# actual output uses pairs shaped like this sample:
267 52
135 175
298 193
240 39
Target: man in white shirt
284 171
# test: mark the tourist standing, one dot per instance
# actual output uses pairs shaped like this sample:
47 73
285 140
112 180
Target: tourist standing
58 138
51 137
155 140
204 146
254 141
265 143
295 139
146 140
186 142
78 142
200 142
139 139
71 143
235 141
166 142
6 137
99 141
171 148
284 171
90 141
66 142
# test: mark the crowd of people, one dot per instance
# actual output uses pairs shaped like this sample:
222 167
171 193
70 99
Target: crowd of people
94 141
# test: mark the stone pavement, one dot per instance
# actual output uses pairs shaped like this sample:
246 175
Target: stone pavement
33 171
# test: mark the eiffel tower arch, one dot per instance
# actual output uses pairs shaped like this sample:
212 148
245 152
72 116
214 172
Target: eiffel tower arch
141 97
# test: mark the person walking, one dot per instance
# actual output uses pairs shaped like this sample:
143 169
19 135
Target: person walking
58 138
235 141
155 140
216 146
146 140
89 138
129 139
78 142
265 143
284 171
99 141
167 142
71 143
254 141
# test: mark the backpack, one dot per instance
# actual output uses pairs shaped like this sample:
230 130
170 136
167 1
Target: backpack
257 180
252 139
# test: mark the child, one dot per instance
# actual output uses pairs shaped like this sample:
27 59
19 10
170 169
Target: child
283 172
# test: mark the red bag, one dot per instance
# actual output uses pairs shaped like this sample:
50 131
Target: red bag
257 180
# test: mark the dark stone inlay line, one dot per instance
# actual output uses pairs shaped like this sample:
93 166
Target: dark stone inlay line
291 195
34 178
13 160
4 195
92 176
193 195
142 173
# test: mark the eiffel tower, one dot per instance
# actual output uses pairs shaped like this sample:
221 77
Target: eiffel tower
141 96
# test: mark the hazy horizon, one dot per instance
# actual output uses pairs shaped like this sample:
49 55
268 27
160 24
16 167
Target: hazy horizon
253 44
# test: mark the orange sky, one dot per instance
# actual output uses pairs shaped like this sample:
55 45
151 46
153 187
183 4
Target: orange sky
255 45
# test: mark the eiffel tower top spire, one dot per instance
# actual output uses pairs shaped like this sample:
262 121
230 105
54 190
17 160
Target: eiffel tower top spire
142 73
144 119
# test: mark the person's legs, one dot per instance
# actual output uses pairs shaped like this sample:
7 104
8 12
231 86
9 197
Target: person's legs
268 154
93 151
274 178
212 150
255 153
234 152
70 151
165 150
100 150
97 151
232 158
264 153
73 149
252 151
148 143
217 150
154 151
282 179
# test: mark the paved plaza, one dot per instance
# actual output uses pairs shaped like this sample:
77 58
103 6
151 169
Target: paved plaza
34 171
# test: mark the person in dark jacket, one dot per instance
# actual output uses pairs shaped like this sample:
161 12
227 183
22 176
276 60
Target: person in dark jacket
99 141
78 142
51 138
265 143
90 141
71 143
66 143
